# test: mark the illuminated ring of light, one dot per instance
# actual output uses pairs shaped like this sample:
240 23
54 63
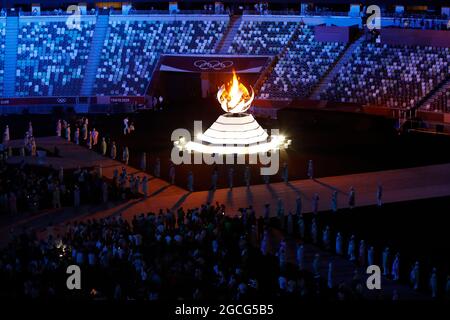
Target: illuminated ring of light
213 64
276 143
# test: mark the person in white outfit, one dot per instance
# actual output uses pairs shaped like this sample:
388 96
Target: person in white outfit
125 126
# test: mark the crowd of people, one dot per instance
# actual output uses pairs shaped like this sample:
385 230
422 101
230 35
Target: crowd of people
200 253
320 231
193 254
29 188
25 187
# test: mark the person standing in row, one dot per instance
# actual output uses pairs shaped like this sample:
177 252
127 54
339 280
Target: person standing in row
339 244
103 146
157 169
326 238
385 261
30 128
143 164
266 212
362 253
298 206
280 212
6 136
314 231
351 249
125 126
137 184
351 198
285 173
58 128
94 135
145 186
396 268
190 184
214 178
330 275
301 226
371 256
56 198
300 256
247 176
125 155
310 169
172 173
68 132
316 265
379 195
90 140
76 197
433 283
84 131
315 203
230 177
76 136
113 150
334 201
414 276
105 192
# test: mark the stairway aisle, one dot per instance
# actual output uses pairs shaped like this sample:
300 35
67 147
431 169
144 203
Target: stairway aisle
227 40
98 39
11 40
440 90
343 60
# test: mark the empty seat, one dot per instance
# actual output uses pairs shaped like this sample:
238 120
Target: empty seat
51 58
132 48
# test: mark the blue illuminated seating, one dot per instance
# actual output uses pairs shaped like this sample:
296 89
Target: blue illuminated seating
51 58
392 76
132 48
262 37
302 66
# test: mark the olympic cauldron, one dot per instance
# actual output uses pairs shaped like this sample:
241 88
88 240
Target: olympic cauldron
235 132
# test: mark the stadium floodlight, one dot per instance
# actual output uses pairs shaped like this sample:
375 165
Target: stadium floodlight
235 132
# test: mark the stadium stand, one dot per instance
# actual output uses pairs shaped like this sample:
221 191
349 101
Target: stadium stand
132 48
301 67
441 103
2 52
262 37
392 76
51 58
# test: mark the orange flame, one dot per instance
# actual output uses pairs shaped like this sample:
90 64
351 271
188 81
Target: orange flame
235 97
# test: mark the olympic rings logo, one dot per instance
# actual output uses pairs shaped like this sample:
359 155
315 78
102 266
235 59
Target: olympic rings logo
61 100
213 64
